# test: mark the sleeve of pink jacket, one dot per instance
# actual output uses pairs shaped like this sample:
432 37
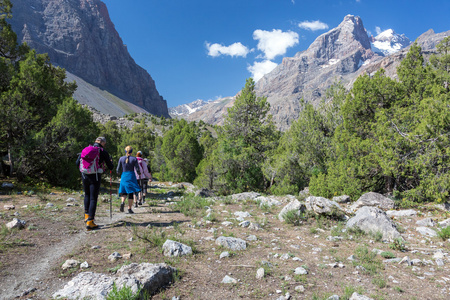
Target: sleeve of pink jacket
144 170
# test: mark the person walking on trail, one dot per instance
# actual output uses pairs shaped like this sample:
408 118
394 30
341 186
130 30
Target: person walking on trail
91 163
142 178
128 182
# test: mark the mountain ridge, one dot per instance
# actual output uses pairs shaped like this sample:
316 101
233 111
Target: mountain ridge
341 54
80 37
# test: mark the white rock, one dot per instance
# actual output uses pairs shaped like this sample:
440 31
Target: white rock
260 273
70 263
300 271
227 279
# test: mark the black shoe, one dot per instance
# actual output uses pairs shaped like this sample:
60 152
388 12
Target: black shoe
122 205
140 203
130 211
135 204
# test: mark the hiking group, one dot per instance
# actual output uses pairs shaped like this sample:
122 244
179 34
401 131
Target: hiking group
135 175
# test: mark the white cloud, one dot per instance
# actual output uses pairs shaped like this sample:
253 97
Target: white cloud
236 49
259 69
378 30
313 25
275 42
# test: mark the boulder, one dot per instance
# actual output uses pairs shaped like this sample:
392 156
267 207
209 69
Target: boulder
371 220
323 206
231 243
245 196
296 205
89 285
341 199
173 248
428 222
426 231
373 199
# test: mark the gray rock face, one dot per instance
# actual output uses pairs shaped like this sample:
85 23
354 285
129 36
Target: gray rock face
89 285
294 205
80 37
371 220
173 248
231 243
401 213
373 199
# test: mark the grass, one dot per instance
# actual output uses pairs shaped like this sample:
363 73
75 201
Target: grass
398 244
368 260
294 217
124 293
191 205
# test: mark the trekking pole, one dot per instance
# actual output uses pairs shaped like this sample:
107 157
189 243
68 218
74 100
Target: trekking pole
110 194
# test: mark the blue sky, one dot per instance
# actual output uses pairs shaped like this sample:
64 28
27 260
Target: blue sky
206 49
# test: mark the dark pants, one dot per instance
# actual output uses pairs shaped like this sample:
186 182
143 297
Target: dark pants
91 185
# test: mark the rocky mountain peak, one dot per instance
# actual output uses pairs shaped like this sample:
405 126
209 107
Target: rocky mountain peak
79 36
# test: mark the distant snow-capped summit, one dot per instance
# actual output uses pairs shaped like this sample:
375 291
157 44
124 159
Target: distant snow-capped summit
388 42
187 109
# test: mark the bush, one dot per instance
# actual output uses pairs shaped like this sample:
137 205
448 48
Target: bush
125 293
444 233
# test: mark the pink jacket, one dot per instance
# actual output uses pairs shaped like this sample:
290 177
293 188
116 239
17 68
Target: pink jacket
145 174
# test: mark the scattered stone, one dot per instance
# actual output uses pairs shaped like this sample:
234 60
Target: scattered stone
427 222
127 256
227 223
252 238
9 207
300 288
96 247
401 213
84 265
444 223
173 248
227 279
405 260
224 254
115 256
260 273
70 263
254 226
242 214
333 297
371 220
373 199
49 204
244 224
231 243
300 271
16 223
426 231
356 296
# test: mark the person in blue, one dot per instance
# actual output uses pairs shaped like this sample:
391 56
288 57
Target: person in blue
128 182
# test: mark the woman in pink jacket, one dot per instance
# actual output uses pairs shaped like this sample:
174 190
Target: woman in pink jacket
143 178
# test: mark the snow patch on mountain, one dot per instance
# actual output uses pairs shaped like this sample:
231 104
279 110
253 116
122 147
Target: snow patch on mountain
389 42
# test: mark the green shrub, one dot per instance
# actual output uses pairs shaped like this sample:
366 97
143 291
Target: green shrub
125 293
444 233
398 244
294 217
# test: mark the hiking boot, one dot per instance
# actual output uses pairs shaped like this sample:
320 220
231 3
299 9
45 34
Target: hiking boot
122 206
86 217
140 203
91 225
130 211
135 204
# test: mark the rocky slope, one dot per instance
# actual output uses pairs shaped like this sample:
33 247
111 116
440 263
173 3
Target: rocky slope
79 36
341 54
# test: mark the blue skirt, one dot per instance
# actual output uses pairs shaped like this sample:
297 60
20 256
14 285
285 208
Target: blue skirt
128 183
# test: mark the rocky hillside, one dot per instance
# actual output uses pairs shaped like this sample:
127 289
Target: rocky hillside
341 54
79 36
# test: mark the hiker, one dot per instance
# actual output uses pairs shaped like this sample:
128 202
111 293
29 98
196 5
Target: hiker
128 182
143 178
91 163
